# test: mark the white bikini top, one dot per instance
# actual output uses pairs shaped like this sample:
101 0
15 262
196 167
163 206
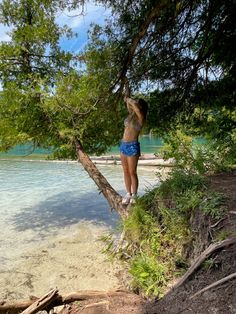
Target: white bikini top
130 123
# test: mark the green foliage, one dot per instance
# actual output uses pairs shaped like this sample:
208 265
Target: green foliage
212 205
81 108
185 192
222 235
149 275
155 239
194 66
210 263
158 229
53 109
33 51
179 182
44 100
188 201
29 63
141 224
197 157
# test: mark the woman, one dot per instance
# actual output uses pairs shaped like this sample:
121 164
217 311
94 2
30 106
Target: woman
130 147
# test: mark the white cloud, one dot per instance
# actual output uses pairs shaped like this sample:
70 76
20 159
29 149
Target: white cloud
83 17
79 21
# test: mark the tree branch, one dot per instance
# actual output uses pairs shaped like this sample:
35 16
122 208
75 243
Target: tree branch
114 199
42 303
153 14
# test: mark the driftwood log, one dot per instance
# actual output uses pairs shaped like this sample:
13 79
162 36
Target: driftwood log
42 303
53 299
201 258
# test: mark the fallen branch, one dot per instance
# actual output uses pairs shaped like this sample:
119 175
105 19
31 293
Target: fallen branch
214 284
18 306
211 249
42 303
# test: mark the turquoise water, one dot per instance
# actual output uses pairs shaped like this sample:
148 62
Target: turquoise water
149 144
41 199
25 150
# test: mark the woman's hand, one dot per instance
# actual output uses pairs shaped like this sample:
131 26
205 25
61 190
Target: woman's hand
131 102
133 105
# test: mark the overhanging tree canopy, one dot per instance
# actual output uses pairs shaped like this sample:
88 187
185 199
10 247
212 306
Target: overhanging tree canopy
180 53
49 102
183 53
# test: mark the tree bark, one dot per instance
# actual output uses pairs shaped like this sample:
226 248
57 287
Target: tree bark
114 199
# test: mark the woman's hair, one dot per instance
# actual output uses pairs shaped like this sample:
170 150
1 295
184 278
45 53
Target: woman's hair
144 106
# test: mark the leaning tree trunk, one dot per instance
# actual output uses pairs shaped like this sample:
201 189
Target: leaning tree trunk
113 198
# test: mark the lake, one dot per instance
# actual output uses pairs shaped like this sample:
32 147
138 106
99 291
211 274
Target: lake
149 144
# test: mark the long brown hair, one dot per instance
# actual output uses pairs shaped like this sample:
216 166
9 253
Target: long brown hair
144 107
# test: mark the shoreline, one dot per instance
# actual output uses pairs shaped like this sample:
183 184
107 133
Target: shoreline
144 160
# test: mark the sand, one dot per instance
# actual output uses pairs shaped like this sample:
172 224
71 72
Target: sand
71 261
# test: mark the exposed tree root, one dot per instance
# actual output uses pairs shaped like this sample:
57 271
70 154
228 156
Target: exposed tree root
214 284
201 258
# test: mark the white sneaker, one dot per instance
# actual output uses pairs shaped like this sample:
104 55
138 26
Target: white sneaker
133 198
126 199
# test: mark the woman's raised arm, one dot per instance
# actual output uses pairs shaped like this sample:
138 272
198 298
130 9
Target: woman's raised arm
133 105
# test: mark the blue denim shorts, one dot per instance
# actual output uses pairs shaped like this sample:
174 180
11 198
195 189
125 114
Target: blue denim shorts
130 148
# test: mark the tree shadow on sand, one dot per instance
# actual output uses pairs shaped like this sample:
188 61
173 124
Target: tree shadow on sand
65 209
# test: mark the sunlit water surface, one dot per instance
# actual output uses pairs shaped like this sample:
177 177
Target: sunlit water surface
39 200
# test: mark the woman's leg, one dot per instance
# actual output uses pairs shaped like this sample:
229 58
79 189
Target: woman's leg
127 177
132 168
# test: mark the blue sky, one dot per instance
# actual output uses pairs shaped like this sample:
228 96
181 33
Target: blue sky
81 24
78 22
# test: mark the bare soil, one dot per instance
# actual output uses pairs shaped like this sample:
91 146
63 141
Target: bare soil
218 300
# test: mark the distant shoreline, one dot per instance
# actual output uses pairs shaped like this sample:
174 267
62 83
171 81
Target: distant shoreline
114 159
